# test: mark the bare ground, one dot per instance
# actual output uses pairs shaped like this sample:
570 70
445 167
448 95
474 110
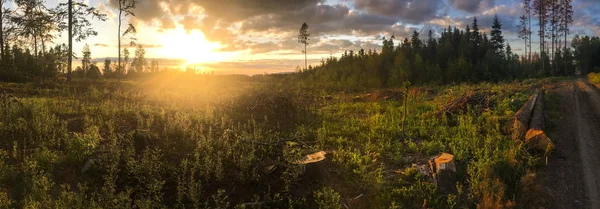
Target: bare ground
572 179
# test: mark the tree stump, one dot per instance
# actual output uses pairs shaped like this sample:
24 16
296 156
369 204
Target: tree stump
444 172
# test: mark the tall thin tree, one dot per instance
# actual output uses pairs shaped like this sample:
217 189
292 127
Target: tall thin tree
70 32
125 8
527 7
2 52
75 17
524 32
540 8
566 19
303 39
553 13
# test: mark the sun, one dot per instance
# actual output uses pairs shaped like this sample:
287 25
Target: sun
190 46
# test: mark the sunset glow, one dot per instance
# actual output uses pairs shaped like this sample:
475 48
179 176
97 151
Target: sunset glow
250 36
191 46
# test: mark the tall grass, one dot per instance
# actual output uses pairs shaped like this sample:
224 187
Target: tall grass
219 148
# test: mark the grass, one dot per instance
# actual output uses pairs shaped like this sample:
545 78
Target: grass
157 143
594 78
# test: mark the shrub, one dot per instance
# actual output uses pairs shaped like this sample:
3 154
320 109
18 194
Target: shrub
327 198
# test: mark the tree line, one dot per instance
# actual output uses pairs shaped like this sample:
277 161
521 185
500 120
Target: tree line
27 31
457 55
553 18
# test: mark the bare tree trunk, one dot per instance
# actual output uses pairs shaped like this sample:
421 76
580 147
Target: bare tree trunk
529 34
35 45
525 55
119 42
2 29
305 62
553 23
542 16
405 113
70 55
566 31
43 52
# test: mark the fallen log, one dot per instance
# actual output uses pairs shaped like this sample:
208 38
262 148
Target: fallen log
518 125
536 138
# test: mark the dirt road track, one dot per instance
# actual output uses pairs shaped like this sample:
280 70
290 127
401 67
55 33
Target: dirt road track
573 175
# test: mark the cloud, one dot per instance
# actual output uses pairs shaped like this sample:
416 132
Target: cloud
146 46
472 6
253 67
270 27
411 11
109 13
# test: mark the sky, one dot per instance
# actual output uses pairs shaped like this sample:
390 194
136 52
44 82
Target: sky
260 36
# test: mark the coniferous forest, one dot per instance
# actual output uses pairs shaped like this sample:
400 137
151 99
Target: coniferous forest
458 55
447 118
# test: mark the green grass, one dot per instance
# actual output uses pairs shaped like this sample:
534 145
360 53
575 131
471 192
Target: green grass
181 144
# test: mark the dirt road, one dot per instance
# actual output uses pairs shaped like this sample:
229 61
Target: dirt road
573 176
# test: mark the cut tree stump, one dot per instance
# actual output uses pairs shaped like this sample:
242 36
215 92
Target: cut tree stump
444 172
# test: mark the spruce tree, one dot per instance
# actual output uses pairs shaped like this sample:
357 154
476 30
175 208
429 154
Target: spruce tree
497 38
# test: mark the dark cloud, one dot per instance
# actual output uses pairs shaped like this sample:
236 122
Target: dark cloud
472 6
411 11
339 20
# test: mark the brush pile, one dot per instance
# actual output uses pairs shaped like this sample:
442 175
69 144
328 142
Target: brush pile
471 99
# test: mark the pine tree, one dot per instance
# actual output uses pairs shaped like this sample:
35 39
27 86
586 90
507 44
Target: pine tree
497 38
524 32
303 38
70 35
86 59
565 20
77 24
540 8
2 49
35 23
527 7
107 62
475 42
139 61
415 41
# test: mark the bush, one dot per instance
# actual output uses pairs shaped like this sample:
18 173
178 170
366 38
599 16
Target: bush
327 198
594 78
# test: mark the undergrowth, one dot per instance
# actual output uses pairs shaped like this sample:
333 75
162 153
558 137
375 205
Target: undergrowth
109 145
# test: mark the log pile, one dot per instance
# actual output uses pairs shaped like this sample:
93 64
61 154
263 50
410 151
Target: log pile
528 125
517 126
535 137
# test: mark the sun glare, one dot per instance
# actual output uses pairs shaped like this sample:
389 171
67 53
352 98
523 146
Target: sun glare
190 46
